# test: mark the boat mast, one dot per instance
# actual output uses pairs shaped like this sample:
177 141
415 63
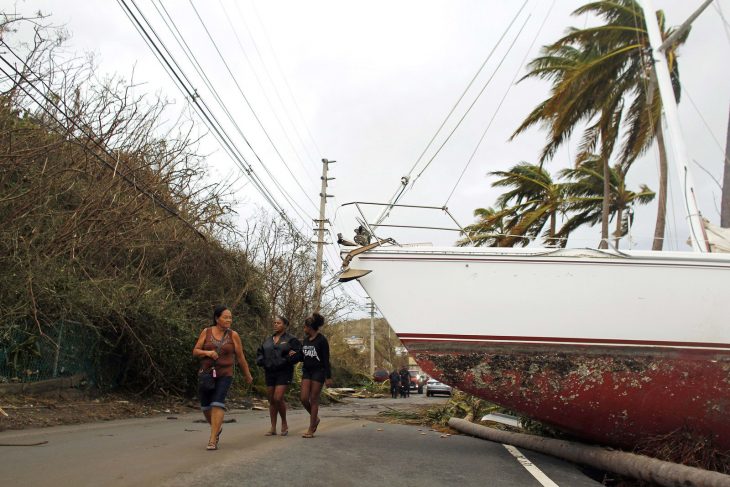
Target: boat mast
669 104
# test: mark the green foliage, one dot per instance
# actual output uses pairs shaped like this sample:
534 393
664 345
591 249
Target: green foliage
603 83
459 405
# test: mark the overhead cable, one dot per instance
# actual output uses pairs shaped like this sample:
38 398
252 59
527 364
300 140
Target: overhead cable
183 82
245 98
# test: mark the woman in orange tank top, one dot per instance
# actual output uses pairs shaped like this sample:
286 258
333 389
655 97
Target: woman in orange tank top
219 347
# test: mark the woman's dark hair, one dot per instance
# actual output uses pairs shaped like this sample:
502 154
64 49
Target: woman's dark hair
315 321
283 320
217 312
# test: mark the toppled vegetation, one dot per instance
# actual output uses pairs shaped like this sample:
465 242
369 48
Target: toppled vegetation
115 244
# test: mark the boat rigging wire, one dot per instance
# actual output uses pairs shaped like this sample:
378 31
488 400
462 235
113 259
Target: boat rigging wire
155 200
725 24
468 110
726 157
504 97
405 180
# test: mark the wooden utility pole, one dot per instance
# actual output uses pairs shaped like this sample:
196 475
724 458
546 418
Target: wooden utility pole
320 234
372 338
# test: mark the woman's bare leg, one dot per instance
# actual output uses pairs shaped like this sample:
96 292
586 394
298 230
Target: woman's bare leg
273 407
278 395
316 389
216 422
304 395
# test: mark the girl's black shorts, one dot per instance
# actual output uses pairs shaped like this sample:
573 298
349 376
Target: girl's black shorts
317 375
279 377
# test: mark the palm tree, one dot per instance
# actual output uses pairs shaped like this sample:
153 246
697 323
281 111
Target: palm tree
602 77
532 201
489 229
584 197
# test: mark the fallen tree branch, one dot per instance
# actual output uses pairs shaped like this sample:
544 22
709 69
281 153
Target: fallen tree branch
24 444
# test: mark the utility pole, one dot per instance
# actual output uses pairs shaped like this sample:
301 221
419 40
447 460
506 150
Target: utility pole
320 234
372 337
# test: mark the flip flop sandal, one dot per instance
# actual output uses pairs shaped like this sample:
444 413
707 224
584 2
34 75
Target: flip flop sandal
270 433
315 426
284 433
212 446
308 435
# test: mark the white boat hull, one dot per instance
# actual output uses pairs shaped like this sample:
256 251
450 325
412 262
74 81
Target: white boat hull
614 348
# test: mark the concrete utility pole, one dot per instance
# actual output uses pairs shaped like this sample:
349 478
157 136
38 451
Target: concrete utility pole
320 234
372 337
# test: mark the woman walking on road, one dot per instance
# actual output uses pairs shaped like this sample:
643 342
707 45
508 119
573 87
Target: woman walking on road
316 369
218 346
277 355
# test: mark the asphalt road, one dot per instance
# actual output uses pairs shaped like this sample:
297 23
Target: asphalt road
348 450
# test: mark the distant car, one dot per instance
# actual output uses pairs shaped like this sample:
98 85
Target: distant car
435 387
381 375
418 380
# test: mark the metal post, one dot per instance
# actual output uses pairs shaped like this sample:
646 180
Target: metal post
669 103
320 235
58 351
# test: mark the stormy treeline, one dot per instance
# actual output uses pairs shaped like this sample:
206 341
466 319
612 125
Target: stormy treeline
112 239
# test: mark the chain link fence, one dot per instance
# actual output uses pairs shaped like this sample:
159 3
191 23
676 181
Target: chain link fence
64 349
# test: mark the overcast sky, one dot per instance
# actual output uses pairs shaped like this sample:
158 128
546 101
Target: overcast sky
369 83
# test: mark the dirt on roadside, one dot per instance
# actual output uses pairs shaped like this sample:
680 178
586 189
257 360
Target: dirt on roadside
76 406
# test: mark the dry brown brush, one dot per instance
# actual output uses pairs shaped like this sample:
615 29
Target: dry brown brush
107 228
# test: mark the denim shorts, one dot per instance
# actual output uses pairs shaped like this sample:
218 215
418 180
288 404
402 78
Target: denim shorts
216 397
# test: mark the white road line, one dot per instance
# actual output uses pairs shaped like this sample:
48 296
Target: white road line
530 467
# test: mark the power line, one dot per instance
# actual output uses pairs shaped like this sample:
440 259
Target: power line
276 60
177 35
185 85
240 90
276 92
183 82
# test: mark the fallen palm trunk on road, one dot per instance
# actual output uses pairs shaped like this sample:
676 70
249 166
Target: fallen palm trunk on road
623 463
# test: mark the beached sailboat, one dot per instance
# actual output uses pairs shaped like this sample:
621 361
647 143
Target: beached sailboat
613 347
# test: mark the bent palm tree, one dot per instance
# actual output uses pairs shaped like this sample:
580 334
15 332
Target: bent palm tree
584 196
602 77
533 201
489 229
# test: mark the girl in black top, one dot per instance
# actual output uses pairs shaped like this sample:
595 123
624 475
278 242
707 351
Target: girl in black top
316 370
277 355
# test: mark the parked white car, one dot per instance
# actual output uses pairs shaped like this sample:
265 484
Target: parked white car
435 387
